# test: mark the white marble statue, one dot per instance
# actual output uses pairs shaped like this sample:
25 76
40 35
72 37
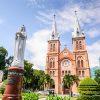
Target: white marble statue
1 75
20 42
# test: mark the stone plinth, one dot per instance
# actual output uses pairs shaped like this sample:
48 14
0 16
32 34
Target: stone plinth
14 84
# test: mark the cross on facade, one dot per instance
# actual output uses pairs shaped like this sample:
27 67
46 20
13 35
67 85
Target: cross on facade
65 45
54 16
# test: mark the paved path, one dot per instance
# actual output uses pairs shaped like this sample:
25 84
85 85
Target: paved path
43 99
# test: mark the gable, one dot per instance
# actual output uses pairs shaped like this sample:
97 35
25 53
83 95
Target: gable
66 54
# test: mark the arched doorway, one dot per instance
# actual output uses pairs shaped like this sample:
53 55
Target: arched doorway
66 90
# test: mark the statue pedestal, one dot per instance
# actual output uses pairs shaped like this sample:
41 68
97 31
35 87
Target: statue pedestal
14 84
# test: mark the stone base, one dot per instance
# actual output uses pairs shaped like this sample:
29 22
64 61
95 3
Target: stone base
14 84
5 97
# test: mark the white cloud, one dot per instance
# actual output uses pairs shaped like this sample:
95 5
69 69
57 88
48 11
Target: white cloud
35 3
89 19
37 45
94 32
94 53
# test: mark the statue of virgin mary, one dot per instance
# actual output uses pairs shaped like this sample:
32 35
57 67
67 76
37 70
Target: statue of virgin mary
20 42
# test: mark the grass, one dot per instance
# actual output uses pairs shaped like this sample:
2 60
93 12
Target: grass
72 98
42 96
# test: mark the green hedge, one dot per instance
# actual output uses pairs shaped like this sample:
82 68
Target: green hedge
57 98
30 96
86 97
89 86
89 89
88 82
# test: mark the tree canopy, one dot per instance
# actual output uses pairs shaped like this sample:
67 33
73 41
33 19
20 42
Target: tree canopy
3 55
97 76
34 79
69 80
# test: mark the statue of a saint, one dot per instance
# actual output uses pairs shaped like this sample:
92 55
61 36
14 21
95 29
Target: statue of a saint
20 41
1 75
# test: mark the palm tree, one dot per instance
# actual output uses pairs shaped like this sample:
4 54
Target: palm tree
49 81
69 80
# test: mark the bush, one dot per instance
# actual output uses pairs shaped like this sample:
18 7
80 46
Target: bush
30 96
89 89
56 98
86 97
89 86
2 87
88 82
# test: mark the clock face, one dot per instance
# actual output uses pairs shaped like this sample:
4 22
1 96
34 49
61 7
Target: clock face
66 63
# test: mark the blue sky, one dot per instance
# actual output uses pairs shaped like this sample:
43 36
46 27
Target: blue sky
37 16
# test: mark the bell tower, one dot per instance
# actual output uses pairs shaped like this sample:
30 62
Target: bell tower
52 66
80 51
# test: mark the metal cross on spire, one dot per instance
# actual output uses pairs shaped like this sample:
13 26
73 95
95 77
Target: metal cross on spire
54 16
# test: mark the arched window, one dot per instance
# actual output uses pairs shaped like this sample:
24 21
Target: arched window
53 47
53 64
80 45
79 73
78 63
50 73
69 72
50 64
76 44
62 73
82 65
66 72
82 73
53 73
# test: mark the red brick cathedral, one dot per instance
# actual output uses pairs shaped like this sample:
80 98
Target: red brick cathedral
60 63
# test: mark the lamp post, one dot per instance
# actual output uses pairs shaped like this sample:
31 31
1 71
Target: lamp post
15 71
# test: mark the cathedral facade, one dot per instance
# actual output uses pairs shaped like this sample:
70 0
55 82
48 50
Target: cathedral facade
60 63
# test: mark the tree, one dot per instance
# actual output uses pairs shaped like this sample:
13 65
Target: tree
97 76
8 63
35 79
42 79
69 80
28 74
9 60
3 55
49 81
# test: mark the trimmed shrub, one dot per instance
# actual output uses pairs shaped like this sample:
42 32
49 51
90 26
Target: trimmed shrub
89 89
89 86
87 97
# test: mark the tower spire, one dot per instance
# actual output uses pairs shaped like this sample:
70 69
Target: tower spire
54 29
77 29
